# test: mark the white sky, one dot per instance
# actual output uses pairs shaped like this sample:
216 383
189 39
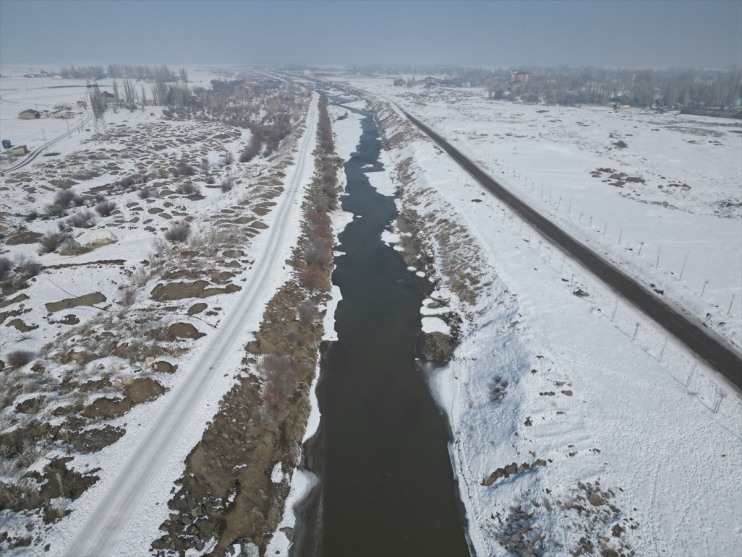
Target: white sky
607 33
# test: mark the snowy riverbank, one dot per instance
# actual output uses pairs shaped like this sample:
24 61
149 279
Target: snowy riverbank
618 427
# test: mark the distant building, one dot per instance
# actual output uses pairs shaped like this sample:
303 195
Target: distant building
520 77
30 114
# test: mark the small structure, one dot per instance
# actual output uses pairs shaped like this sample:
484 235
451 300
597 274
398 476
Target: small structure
7 144
518 76
30 114
18 151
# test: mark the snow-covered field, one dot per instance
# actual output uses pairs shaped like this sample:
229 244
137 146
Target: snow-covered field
667 206
579 427
261 206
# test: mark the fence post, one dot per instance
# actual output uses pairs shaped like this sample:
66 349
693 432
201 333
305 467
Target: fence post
683 267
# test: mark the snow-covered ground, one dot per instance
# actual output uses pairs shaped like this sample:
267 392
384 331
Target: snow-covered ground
124 509
630 441
579 426
672 212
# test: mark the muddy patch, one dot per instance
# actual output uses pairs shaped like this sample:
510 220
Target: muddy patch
86 300
181 290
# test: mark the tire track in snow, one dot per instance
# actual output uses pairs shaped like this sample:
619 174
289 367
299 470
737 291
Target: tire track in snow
120 503
34 154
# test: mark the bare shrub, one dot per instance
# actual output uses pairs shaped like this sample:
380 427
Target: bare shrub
178 231
55 209
187 188
105 208
159 247
128 296
227 184
313 278
280 373
254 147
18 358
50 241
82 219
127 182
146 193
182 169
27 268
307 312
64 197
6 265
317 254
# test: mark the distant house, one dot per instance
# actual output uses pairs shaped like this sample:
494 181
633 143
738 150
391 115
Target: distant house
520 77
30 114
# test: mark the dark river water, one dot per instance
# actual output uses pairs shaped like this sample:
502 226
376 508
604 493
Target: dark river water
386 483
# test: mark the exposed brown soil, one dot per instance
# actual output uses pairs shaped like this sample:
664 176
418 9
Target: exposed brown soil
86 300
24 237
181 290
226 491
184 330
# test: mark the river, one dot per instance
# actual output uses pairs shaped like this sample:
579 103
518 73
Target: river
386 482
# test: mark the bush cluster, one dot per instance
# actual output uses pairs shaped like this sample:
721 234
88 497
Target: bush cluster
227 184
50 241
182 169
187 188
281 374
62 202
18 358
317 241
178 231
105 208
81 219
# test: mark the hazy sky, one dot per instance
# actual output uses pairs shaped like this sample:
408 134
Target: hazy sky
629 34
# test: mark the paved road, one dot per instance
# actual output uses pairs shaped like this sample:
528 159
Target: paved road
101 533
686 328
